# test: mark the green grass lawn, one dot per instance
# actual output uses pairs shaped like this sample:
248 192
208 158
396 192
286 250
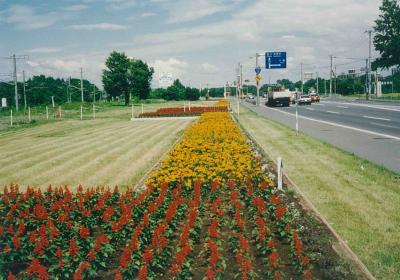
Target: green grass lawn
360 200
72 111
106 151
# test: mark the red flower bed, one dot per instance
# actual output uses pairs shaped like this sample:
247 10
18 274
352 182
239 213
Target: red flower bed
183 112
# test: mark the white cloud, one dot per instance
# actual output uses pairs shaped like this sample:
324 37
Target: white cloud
43 50
209 68
76 8
25 18
183 10
121 4
175 67
148 14
98 26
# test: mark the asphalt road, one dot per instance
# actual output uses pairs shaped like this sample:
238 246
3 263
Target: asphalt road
371 131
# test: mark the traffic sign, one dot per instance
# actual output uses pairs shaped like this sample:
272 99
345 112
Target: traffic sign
275 60
258 78
258 70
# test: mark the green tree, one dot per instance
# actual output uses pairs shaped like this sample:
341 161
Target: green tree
192 94
387 35
115 78
140 76
175 92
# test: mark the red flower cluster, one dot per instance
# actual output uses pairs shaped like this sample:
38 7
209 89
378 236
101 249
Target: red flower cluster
78 273
35 268
194 111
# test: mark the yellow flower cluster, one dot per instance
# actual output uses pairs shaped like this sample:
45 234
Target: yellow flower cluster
212 149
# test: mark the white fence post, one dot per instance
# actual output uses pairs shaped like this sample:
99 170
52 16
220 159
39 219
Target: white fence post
142 108
238 108
29 114
132 111
81 112
11 118
47 113
60 112
280 172
297 121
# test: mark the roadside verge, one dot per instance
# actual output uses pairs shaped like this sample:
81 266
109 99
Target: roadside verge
359 199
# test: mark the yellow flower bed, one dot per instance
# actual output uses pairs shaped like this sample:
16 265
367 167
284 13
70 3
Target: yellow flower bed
212 149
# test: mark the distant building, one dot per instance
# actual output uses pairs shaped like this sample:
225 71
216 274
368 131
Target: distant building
165 80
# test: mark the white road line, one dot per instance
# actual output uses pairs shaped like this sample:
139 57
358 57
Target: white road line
375 118
333 112
342 126
381 107
311 109
344 107
384 125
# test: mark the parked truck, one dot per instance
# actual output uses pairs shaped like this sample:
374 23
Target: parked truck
278 96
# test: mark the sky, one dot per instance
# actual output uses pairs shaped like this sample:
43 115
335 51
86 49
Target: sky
200 42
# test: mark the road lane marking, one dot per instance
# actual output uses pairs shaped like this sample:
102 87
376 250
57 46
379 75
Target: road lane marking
375 118
311 109
344 107
384 125
333 112
381 107
340 125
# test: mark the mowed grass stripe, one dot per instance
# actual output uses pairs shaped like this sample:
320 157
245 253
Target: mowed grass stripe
139 160
57 148
21 147
113 156
64 152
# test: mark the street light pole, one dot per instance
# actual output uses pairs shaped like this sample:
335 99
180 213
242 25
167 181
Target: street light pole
24 86
15 81
258 83
82 85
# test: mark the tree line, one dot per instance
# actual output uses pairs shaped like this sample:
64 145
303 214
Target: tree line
40 89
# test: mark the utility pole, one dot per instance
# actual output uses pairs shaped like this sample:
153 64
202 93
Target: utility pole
369 61
81 84
330 83
366 80
15 81
325 87
317 84
23 80
392 80
302 79
94 93
335 81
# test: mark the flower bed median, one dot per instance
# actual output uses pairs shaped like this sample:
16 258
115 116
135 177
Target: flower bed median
187 111
208 212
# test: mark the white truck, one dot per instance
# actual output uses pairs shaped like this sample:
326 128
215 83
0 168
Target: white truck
278 96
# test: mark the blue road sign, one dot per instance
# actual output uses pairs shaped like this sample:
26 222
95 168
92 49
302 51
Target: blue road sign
275 60
258 70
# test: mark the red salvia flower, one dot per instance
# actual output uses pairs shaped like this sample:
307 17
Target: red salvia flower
280 211
118 275
92 255
147 256
38 269
210 274
59 253
11 276
142 275
16 242
73 248
108 214
84 232
307 274
273 259
125 258
214 228
21 228
275 200
40 212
